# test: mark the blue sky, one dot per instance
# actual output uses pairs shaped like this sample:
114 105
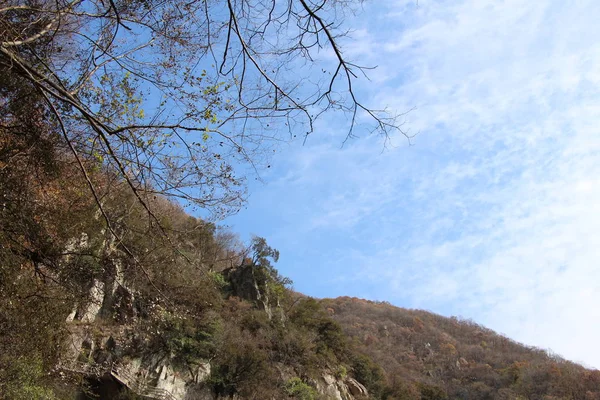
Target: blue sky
494 212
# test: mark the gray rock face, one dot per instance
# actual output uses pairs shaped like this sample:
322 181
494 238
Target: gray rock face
156 378
95 302
340 389
356 388
331 388
246 285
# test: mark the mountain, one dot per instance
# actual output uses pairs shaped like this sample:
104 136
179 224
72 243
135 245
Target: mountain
418 351
124 295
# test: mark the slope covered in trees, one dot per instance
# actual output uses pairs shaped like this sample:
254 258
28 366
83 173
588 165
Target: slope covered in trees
416 350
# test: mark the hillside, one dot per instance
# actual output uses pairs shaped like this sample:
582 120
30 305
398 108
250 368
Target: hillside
169 306
120 302
416 349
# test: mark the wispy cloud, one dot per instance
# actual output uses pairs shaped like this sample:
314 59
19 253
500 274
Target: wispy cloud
494 214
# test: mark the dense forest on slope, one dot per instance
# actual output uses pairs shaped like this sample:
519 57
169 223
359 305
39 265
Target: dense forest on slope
460 358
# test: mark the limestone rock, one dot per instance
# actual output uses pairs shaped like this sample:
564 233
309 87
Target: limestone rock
356 388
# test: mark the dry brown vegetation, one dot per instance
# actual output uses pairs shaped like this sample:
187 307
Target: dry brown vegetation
459 358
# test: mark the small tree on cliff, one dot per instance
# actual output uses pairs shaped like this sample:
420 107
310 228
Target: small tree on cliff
262 256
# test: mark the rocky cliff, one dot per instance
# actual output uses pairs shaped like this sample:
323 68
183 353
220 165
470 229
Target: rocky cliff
108 345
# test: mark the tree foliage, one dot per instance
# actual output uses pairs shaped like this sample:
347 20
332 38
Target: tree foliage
173 96
262 258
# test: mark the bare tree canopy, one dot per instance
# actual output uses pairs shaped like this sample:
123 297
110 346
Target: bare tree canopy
172 94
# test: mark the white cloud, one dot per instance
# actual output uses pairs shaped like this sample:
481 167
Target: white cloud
494 214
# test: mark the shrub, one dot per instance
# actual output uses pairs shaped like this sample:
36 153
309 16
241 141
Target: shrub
219 280
241 366
369 374
341 372
332 343
190 340
430 392
300 390
23 381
